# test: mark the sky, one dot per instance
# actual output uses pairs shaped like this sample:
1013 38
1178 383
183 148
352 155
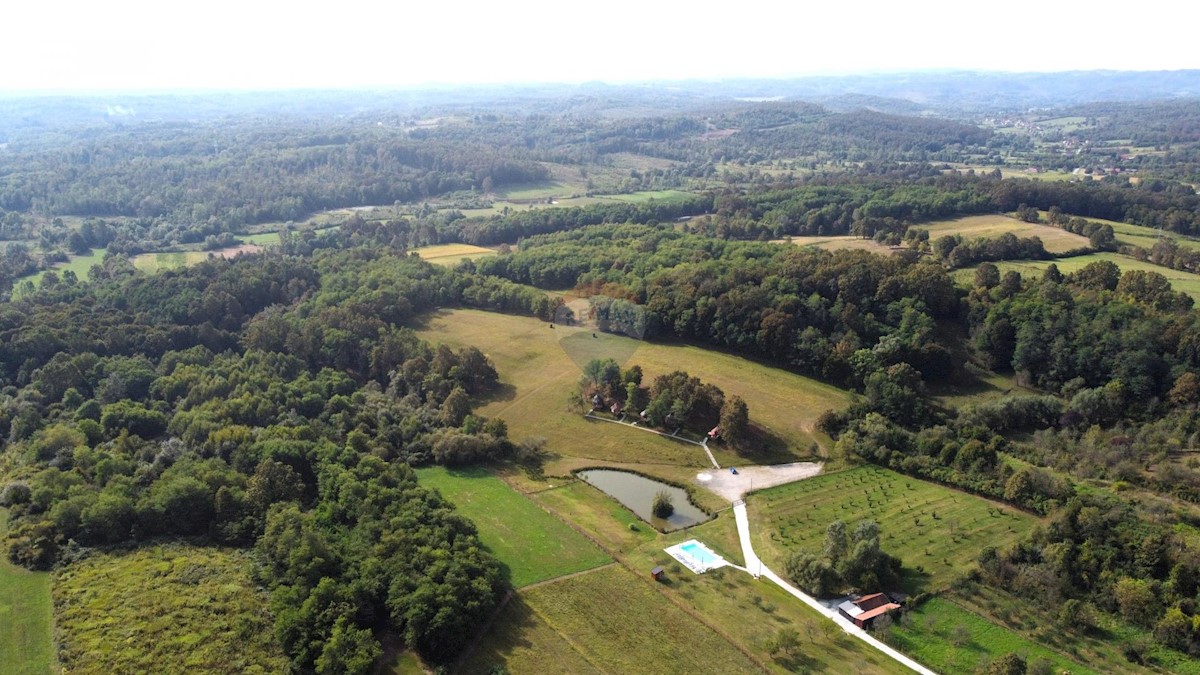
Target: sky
74 45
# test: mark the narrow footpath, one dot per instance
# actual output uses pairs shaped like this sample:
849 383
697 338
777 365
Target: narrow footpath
756 567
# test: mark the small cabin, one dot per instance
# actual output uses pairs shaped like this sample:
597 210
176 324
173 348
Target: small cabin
597 402
615 408
657 573
716 431
864 610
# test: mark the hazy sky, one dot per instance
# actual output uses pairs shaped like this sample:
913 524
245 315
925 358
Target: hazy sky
135 44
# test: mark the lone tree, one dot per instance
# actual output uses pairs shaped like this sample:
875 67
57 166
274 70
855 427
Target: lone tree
662 507
735 421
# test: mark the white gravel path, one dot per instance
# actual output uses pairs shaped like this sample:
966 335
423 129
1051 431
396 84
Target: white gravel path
733 487
755 567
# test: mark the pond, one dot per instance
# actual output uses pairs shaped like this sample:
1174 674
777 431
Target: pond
637 493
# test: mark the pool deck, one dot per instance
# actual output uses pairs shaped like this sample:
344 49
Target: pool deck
697 566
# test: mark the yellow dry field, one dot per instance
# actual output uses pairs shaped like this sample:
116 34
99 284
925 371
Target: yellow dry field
992 226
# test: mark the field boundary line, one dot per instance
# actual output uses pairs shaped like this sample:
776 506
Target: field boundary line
569 575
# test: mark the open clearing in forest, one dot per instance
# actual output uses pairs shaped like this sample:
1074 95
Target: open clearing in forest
1185 282
171 608
929 527
26 619
539 367
949 639
993 226
452 254
840 243
532 544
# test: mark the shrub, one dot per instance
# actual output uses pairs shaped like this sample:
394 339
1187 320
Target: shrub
662 507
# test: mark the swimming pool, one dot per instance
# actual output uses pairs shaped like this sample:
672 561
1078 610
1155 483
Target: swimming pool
696 556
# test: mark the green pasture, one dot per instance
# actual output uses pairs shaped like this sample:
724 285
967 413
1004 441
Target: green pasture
26 618
937 532
532 544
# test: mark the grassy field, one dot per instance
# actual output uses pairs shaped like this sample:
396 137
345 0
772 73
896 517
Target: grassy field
1185 282
842 243
79 264
172 608
532 544
539 367
937 532
452 254
992 226
26 618
621 624
949 639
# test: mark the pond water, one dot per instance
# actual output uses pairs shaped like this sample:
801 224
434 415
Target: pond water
637 493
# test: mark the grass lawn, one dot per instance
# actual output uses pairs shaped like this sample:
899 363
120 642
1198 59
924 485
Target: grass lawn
949 639
539 367
930 527
1185 282
26 618
171 608
992 226
532 544
452 254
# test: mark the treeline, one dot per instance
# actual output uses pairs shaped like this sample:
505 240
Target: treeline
1171 207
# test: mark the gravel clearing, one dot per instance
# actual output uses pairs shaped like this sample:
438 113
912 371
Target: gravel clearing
732 487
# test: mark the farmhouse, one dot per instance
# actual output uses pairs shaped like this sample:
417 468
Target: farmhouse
863 611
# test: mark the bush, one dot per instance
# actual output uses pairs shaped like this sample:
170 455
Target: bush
662 507
15 493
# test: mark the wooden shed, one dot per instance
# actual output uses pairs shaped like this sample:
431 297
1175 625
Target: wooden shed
657 573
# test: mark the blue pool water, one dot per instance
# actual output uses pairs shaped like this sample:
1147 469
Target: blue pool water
699 554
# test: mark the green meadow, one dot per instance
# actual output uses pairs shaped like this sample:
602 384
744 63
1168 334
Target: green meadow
532 544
